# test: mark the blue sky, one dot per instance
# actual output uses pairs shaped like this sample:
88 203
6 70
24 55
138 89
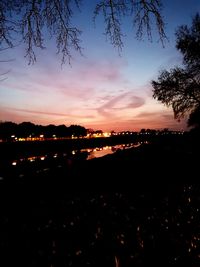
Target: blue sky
101 89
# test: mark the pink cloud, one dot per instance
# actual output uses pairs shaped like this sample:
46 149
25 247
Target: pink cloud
105 109
78 82
21 114
160 119
38 112
135 102
120 102
101 71
137 124
9 115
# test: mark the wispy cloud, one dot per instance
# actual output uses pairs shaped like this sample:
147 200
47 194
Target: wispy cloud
155 119
135 102
37 112
101 71
120 102
11 110
79 82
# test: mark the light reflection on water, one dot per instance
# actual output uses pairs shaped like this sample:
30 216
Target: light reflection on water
47 162
103 151
90 153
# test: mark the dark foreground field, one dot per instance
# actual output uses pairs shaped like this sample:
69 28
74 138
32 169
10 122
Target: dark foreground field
139 207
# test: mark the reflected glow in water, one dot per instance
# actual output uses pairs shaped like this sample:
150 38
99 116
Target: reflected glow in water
103 151
91 153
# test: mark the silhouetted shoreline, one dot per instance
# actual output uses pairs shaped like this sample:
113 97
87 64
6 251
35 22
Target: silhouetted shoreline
136 207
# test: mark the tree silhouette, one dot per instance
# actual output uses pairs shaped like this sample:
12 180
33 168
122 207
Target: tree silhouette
26 129
28 21
194 118
3 74
180 87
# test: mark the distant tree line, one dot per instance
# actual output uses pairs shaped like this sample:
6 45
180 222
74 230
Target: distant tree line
28 129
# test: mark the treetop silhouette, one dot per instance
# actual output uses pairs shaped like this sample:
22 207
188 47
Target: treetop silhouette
180 86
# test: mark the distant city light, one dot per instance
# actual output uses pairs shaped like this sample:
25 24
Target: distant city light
31 159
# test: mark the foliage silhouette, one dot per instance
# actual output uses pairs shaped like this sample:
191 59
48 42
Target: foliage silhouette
26 129
180 87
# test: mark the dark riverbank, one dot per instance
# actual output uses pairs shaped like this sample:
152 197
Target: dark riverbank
137 207
164 158
140 227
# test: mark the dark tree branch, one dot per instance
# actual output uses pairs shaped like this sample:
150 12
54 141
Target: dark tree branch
145 12
32 19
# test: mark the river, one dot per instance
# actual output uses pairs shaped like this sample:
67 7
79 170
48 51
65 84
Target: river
46 162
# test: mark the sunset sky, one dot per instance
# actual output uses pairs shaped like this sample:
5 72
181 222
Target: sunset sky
100 90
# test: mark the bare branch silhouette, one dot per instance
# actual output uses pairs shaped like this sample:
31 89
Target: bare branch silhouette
29 21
